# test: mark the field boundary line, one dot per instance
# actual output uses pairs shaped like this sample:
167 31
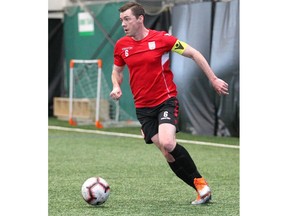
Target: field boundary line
138 136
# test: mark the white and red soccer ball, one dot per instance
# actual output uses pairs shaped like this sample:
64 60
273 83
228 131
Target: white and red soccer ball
95 191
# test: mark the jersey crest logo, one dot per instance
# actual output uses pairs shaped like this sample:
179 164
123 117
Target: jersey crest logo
152 45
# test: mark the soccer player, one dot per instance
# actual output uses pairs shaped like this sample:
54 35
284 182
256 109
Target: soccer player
146 54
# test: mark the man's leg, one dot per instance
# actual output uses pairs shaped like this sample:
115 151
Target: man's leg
181 162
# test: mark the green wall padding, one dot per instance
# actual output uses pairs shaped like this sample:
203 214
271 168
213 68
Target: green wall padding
96 46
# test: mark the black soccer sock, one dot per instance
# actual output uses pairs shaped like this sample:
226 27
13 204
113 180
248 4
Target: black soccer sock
184 166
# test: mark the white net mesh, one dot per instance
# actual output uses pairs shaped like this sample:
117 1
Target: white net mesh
84 89
85 81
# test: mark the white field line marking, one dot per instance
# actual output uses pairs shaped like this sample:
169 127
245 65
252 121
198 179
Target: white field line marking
138 136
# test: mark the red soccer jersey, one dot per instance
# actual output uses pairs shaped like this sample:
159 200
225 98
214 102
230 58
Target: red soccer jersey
151 79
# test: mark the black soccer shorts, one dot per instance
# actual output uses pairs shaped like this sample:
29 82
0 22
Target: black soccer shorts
150 118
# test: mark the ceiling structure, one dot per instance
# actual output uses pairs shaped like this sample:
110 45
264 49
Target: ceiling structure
152 7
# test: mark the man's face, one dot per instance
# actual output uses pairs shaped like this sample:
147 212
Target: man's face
130 24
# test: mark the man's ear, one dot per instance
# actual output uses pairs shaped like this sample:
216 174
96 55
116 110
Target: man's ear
141 18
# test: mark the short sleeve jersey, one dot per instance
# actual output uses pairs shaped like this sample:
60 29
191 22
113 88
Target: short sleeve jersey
151 79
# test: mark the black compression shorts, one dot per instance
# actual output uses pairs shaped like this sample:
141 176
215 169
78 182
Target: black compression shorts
151 118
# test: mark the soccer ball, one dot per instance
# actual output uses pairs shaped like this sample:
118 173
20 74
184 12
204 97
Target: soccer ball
95 190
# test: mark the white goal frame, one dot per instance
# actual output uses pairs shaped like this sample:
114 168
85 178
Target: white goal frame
98 124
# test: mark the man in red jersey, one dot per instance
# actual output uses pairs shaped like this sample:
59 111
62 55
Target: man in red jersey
146 54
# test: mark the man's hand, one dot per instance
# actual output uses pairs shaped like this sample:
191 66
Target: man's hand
220 86
116 93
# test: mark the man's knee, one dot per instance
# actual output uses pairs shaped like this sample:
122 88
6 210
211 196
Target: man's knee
168 144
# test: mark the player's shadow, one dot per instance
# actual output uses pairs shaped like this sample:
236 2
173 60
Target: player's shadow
96 206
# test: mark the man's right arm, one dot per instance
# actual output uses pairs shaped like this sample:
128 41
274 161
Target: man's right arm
117 78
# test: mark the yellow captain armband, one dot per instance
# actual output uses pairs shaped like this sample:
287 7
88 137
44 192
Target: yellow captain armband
179 47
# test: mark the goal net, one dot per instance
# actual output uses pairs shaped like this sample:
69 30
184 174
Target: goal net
89 96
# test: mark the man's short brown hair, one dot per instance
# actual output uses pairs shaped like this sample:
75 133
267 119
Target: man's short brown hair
136 9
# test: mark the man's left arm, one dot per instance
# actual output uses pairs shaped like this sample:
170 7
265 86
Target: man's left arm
182 48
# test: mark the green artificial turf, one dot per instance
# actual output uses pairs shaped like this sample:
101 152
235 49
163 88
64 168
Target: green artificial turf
141 181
